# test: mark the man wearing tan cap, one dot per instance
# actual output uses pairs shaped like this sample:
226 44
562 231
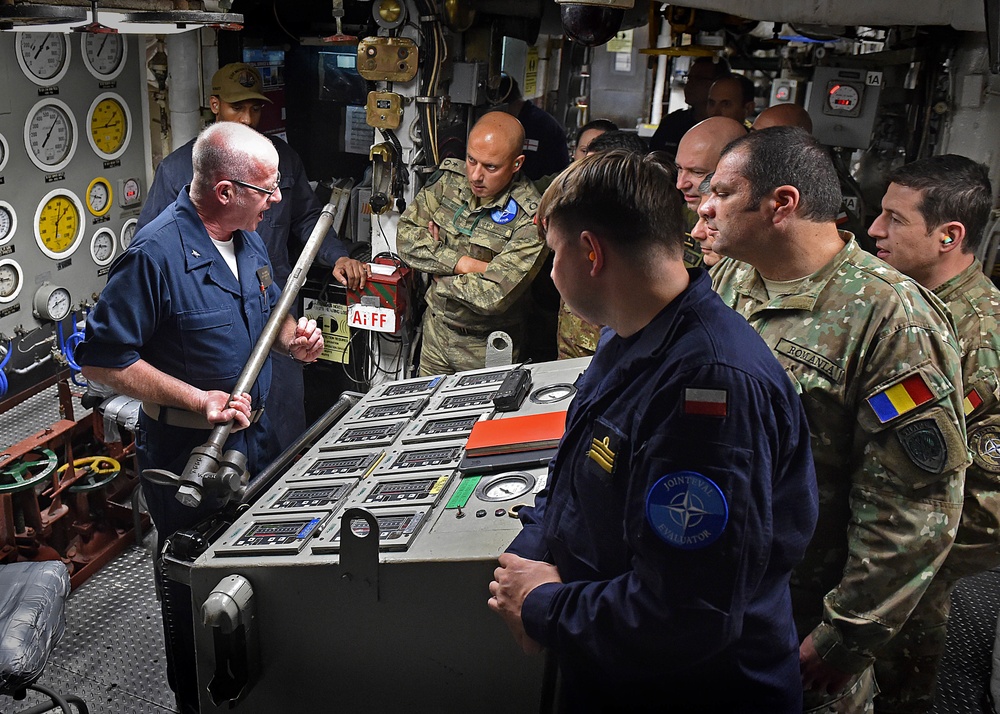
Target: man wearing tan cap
237 96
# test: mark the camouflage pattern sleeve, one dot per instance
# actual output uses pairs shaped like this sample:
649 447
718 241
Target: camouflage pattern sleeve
906 501
975 303
414 241
509 274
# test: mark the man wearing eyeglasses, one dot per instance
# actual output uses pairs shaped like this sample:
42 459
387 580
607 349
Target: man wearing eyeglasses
178 319
237 96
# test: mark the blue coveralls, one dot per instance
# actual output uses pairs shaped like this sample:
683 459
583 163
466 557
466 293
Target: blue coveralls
172 301
291 219
641 625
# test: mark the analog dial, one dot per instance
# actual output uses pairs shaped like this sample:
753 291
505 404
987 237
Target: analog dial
505 487
43 56
843 97
59 224
104 54
50 135
99 196
102 246
8 222
52 302
4 151
110 125
11 280
128 233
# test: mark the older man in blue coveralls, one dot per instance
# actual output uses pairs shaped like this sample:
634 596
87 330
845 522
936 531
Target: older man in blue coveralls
655 564
237 96
175 325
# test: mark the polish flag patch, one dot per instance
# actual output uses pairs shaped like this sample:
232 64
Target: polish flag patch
707 402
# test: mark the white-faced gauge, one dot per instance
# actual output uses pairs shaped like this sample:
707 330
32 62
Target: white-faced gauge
11 280
50 135
8 222
52 302
102 246
99 196
43 56
103 53
128 233
4 152
505 486
843 98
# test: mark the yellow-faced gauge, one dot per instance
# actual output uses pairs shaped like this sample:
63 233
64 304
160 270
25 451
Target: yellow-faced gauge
50 135
8 222
102 246
99 196
11 280
43 56
110 125
4 151
59 224
103 53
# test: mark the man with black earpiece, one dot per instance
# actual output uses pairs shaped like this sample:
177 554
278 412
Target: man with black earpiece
933 218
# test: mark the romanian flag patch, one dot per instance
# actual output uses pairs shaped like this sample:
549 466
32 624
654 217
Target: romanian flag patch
972 401
707 402
900 398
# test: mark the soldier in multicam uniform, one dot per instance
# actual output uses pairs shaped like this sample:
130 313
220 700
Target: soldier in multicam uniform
879 371
932 221
472 229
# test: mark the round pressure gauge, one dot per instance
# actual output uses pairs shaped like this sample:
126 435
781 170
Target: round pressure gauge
52 302
102 246
128 233
505 486
11 280
110 125
843 97
103 53
4 151
59 223
552 393
43 56
8 222
99 196
50 135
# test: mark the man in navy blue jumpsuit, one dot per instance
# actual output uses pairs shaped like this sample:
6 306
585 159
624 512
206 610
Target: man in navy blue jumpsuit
237 96
655 564
175 325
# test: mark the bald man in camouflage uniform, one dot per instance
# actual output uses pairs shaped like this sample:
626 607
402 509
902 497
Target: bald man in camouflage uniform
879 371
933 217
472 229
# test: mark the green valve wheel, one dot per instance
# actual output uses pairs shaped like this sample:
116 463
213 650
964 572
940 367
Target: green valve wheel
25 474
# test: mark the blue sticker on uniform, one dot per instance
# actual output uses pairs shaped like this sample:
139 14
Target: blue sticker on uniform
506 214
687 510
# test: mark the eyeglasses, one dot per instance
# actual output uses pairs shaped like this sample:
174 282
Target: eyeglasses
269 192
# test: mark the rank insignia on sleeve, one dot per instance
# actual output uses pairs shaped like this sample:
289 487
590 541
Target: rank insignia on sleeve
604 446
972 402
687 510
923 442
900 398
506 214
985 446
707 402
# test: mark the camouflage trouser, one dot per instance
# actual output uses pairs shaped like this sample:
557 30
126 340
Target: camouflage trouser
856 698
906 668
446 351
576 337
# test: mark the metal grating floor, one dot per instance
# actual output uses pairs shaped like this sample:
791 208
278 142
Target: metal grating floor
35 414
112 652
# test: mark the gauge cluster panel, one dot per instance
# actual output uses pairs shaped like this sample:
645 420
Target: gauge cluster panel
72 181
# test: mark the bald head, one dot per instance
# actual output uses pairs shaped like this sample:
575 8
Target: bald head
784 115
493 153
698 152
226 150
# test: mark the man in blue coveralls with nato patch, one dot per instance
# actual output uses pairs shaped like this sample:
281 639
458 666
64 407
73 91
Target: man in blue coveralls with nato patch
655 564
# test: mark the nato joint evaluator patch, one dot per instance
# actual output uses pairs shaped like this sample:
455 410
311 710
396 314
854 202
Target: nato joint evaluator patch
687 510
506 214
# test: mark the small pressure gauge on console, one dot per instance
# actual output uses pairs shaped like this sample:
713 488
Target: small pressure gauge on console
4 151
52 302
11 280
99 196
8 222
102 246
